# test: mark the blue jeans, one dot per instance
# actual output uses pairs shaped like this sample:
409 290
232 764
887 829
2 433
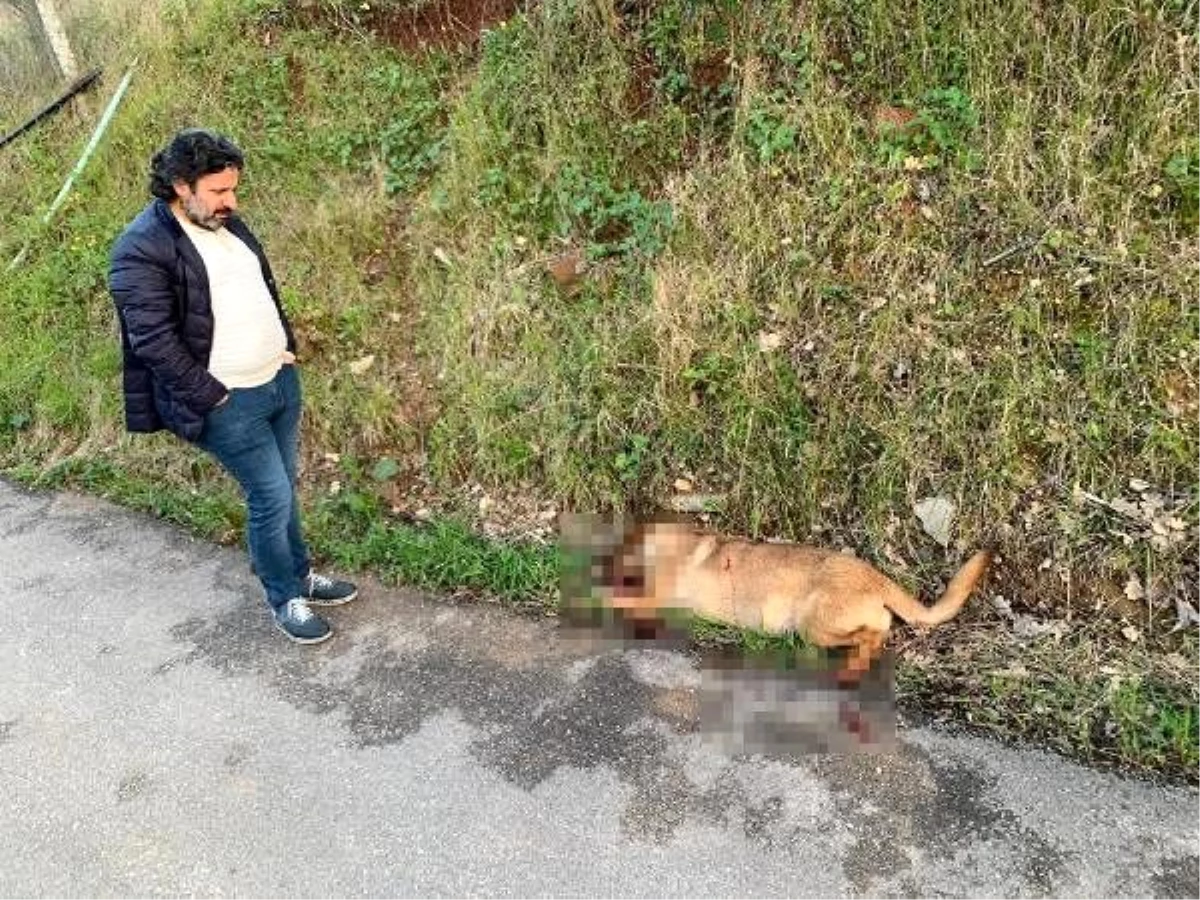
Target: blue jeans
255 435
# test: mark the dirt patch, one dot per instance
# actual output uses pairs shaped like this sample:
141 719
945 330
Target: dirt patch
444 24
639 95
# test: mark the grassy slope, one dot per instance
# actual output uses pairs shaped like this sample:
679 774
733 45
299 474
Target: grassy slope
786 303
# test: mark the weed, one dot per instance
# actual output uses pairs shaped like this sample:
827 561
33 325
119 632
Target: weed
769 134
629 461
939 133
1182 174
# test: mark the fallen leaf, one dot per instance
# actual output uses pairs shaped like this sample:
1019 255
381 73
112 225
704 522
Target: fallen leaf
769 340
935 514
359 366
683 485
1134 589
1131 634
1125 508
1138 485
1152 502
1016 671
1027 627
892 117
567 269
695 503
1185 615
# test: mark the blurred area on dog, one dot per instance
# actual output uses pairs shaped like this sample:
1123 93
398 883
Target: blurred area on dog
774 695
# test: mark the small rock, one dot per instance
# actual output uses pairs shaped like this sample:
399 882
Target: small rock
936 514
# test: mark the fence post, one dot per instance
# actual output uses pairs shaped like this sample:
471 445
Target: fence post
56 35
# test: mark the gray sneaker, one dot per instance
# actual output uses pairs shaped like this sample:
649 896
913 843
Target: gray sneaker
300 623
320 590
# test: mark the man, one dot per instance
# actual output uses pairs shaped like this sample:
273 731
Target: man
210 356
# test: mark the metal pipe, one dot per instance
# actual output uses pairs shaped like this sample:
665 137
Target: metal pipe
101 127
80 84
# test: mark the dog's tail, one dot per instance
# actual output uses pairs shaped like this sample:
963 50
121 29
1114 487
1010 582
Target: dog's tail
914 612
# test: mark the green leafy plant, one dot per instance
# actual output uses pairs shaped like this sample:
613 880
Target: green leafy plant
939 134
629 462
1182 175
408 139
770 134
612 221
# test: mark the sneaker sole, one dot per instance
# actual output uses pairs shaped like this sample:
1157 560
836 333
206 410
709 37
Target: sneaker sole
304 640
344 600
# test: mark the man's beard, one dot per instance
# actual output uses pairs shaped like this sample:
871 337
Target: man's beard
201 215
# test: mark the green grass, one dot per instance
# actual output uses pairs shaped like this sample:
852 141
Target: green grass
811 314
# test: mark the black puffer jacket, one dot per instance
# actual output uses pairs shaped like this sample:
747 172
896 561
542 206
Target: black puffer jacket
158 282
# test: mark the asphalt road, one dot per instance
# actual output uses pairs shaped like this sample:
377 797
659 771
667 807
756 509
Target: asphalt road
159 738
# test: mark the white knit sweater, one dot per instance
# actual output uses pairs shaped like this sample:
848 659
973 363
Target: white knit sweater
249 342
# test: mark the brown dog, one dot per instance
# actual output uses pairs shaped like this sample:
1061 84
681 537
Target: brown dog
833 599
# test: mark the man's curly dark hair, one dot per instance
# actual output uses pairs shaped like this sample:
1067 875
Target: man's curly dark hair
192 153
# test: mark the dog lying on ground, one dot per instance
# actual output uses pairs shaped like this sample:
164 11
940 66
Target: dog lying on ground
832 599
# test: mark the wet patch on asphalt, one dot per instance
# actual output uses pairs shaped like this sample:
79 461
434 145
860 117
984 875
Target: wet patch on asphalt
398 662
19 518
916 803
1178 876
132 786
237 756
535 715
